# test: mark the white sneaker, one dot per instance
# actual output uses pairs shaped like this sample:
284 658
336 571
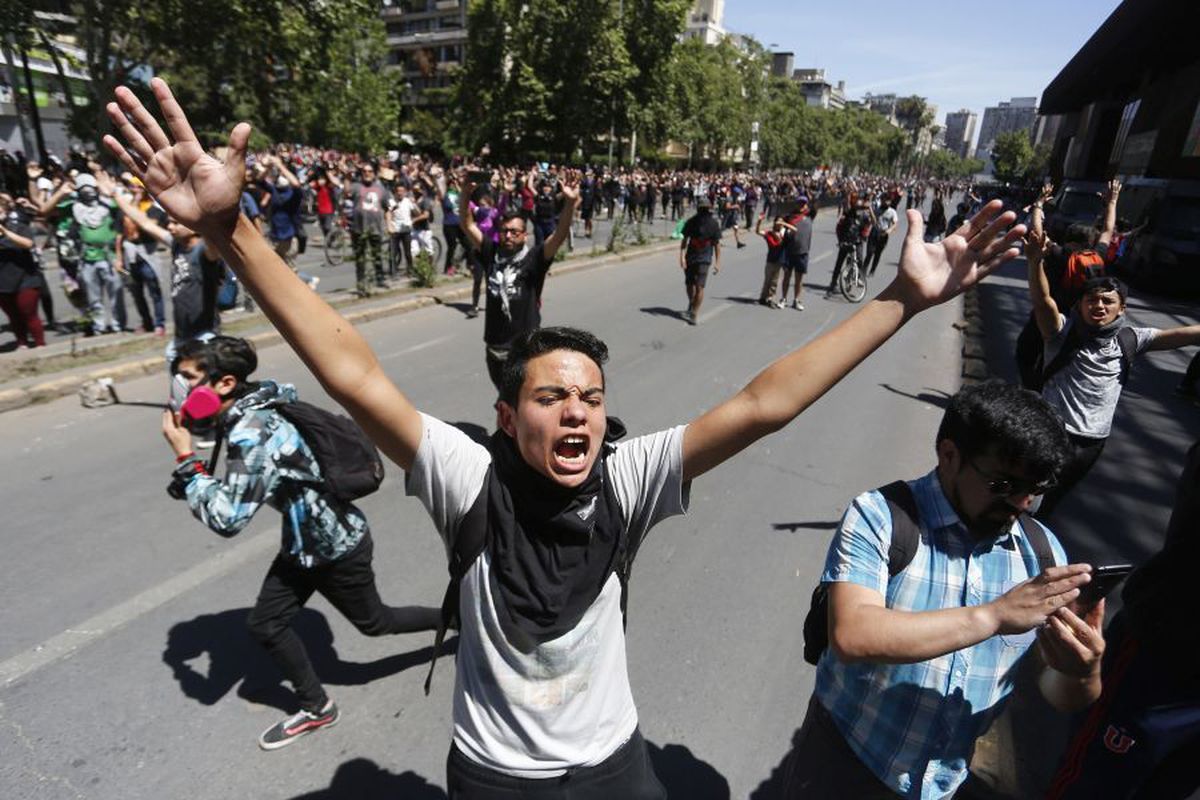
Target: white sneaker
313 282
798 305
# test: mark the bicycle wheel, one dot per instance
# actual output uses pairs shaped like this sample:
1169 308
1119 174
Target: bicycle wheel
335 247
852 282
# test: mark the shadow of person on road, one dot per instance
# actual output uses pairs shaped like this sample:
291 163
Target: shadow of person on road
463 308
363 779
746 301
233 657
814 525
935 397
661 311
684 776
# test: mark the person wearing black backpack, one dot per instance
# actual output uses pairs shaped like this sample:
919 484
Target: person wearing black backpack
1088 352
933 590
285 454
540 526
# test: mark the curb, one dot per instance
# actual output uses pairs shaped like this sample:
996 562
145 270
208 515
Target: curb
13 399
974 357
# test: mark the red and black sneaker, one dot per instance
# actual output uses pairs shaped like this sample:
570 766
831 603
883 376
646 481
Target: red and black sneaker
297 725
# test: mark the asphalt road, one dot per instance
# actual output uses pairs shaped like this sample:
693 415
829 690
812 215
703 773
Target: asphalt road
125 670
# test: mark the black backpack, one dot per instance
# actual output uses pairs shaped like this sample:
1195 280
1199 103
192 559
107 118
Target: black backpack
906 537
350 465
1126 340
469 543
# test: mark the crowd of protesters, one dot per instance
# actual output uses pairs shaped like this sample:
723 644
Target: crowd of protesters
920 619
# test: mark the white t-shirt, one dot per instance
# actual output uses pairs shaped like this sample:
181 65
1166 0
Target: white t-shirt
887 218
536 710
402 214
1085 391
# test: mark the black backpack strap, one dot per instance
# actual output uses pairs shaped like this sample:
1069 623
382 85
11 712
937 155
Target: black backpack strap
906 532
1069 348
469 542
1127 341
219 435
1036 535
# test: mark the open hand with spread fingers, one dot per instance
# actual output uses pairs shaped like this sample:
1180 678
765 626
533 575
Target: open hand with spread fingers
932 273
192 186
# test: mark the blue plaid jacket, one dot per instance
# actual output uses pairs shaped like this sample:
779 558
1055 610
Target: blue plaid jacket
267 461
915 725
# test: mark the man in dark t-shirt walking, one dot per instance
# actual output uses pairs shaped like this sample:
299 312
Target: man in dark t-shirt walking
515 270
701 249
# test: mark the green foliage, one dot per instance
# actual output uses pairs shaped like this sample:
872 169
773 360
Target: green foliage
947 165
297 70
1012 156
547 76
424 271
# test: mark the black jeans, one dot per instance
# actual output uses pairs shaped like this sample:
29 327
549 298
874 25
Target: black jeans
349 585
875 247
822 766
626 774
453 236
1086 453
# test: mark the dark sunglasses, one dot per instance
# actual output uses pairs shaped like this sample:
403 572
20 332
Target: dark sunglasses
1007 487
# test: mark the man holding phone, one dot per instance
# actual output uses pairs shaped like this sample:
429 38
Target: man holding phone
920 658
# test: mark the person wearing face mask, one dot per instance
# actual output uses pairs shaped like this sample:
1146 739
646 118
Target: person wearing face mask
1088 352
326 544
920 659
91 222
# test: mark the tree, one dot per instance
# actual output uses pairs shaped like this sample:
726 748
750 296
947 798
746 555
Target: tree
265 61
1012 155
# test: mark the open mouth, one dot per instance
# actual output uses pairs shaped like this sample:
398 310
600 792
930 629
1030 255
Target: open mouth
571 451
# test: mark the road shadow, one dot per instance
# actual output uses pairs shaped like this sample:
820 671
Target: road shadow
363 779
934 397
463 308
235 659
815 525
746 301
662 311
684 776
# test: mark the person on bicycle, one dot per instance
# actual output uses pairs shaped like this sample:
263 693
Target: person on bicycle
853 229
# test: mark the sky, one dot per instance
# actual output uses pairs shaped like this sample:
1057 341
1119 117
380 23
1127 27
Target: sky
956 53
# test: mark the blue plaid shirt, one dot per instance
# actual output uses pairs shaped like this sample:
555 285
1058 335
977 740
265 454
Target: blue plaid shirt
915 725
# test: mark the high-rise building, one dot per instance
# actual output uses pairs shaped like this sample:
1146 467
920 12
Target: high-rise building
704 21
960 130
426 40
781 64
819 92
1017 114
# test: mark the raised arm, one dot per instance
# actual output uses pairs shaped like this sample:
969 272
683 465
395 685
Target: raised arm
1173 338
570 193
929 274
1045 310
108 188
202 193
466 217
1110 214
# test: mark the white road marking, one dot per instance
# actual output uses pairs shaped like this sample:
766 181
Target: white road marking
104 623
417 347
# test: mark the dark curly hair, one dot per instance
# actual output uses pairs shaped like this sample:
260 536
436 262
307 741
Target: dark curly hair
221 356
1015 423
544 340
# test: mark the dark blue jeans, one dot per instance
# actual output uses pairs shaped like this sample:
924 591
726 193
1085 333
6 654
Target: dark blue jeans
142 280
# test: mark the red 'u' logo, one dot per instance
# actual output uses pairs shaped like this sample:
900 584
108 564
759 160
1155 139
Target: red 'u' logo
1117 741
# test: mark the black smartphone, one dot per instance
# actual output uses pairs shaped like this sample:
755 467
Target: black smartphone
1104 580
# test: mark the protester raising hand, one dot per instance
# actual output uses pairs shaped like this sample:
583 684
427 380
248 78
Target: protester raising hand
932 273
192 186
